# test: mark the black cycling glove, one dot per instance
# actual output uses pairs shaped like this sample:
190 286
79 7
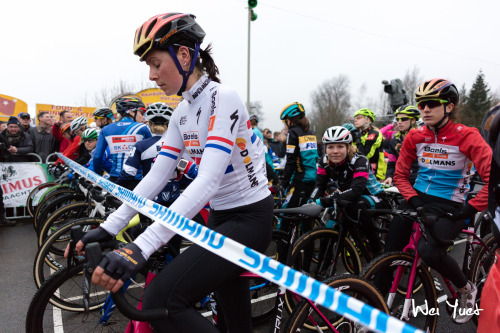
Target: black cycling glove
123 263
96 235
467 212
328 201
416 202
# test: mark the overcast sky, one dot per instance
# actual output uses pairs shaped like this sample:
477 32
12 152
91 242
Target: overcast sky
58 52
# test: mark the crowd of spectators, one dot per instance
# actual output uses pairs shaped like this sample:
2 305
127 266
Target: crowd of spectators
21 139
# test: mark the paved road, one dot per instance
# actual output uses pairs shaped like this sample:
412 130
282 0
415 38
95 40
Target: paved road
18 248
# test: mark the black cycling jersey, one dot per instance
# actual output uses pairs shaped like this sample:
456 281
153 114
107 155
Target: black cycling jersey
301 156
350 176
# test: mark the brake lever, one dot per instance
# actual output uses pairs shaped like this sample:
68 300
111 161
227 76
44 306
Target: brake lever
93 256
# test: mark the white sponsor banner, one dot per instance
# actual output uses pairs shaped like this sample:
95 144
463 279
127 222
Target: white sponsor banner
251 260
17 181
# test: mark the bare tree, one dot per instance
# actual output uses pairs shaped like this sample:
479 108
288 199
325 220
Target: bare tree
104 96
411 81
331 104
360 101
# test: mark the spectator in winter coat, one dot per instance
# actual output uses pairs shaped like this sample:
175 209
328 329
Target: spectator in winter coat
44 143
16 143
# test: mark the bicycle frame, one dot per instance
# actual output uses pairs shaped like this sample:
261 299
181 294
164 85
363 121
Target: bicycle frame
412 247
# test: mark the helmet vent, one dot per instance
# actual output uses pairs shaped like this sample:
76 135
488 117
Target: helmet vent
150 27
138 36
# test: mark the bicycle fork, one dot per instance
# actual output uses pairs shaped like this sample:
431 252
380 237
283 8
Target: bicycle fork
394 288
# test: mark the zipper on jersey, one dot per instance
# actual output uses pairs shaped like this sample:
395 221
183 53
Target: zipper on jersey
435 172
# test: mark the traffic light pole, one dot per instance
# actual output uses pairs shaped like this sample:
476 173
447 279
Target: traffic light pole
248 61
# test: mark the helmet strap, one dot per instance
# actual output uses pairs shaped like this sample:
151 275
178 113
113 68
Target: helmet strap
185 74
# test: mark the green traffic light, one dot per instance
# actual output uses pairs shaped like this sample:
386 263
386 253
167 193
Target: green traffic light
252 4
253 17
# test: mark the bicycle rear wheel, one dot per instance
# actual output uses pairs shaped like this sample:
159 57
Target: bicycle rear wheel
304 318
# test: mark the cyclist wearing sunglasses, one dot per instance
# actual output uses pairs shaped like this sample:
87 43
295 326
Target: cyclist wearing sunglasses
406 119
103 117
370 141
448 155
121 136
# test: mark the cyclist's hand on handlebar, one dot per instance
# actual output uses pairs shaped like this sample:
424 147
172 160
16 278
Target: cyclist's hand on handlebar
388 181
328 201
94 235
467 212
118 266
416 202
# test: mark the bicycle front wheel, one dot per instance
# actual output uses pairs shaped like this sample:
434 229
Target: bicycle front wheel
313 254
482 260
307 318
66 283
383 269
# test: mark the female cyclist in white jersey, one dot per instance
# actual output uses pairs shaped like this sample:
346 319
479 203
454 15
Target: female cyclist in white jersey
212 125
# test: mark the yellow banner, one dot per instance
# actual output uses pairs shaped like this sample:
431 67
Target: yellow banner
77 111
153 95
11 106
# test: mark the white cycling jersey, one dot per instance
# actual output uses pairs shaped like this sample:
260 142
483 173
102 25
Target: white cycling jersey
212 125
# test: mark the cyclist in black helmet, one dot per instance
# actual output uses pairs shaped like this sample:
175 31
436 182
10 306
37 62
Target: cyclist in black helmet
103 116
121 136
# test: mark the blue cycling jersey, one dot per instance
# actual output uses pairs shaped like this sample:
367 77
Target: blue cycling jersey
106 161
120 137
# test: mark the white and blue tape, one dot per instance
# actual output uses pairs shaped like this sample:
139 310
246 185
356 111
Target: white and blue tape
251 260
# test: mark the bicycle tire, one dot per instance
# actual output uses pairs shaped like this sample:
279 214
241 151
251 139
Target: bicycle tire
482 261
32 195
354 286
390 262
41 314
325 234
327 239
54 204
45 201
62 215
50 256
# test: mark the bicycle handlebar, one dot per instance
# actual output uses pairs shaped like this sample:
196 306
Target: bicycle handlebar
430 220
93 256
418 215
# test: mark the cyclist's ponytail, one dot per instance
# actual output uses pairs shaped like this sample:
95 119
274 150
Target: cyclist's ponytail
207 64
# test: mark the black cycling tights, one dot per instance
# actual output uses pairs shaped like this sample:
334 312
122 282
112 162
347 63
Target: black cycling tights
432 253
197 272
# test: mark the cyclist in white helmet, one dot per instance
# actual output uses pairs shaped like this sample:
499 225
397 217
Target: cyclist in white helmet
350 170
